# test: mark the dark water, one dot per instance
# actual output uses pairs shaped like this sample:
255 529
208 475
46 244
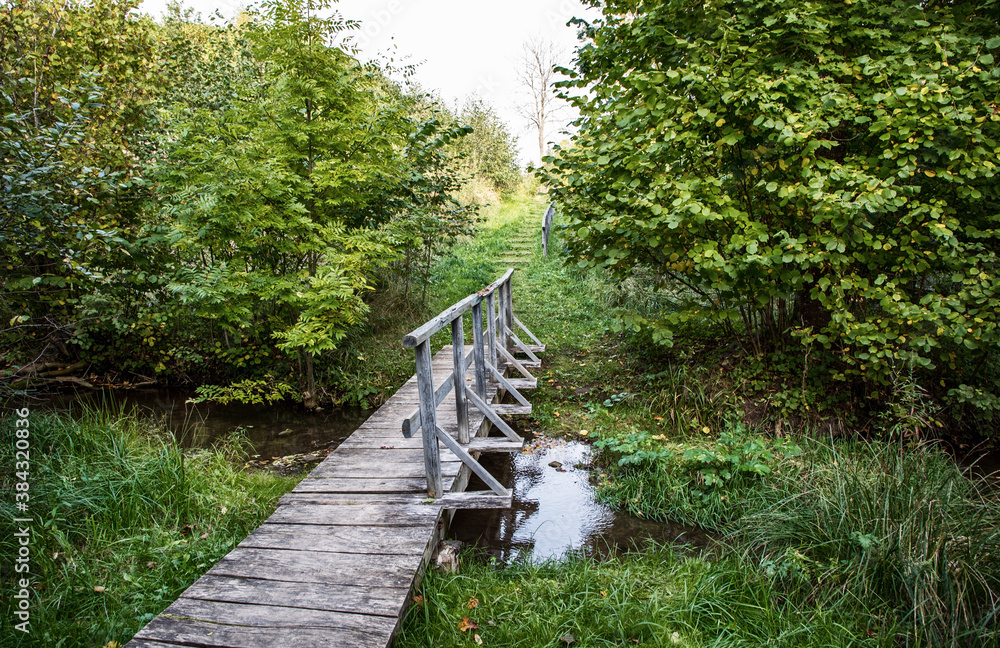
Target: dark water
555 510
273 430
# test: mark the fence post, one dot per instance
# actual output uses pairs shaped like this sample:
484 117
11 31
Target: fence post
428 420
502 315
491 327
458 375
477 351
508 307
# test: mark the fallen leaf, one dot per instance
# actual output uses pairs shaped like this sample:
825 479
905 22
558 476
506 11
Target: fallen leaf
473 603
478 639
584 432
604 593
568 638
99 589
419 600
204 535
151 564
706 430
223 510
467 624
112 644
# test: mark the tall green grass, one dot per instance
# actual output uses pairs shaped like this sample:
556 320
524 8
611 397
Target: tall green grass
119 506
899 530
657 598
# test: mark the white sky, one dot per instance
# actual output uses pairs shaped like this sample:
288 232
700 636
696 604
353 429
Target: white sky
460 46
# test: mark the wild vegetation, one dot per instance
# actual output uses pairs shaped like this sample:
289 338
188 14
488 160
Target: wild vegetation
127 521
770 305
816 182
201 202
820 541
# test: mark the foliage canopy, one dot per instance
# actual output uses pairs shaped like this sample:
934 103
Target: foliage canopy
822 171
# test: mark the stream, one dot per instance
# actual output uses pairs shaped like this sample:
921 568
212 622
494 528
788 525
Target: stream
555 509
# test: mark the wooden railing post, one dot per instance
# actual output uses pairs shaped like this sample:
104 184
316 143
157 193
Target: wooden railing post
478 354
458 375
491 327
546 228
502 315
508 309
428 419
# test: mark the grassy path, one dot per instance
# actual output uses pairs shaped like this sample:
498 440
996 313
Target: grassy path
829 544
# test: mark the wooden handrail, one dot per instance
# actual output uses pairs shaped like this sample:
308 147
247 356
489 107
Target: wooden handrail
547 227
500 321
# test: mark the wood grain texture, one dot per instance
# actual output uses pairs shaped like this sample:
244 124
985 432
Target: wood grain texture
358 599
335 564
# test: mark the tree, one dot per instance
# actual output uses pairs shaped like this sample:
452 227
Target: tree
536 72
489 151
76 82
822 172
268 194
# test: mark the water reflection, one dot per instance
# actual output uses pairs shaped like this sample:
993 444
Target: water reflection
273 430
555 510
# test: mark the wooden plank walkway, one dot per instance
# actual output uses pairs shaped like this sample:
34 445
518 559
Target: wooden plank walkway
336 563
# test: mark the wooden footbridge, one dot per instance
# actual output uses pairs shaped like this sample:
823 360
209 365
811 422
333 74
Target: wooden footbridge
336 563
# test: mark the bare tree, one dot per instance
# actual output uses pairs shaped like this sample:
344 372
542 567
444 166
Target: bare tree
536 74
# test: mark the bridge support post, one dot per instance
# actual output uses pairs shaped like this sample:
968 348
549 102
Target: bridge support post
428 419
478 354
458 375
491 326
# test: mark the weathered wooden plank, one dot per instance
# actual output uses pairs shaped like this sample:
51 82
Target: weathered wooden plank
341 539
354 499
252 615
520 366
442 320
519 345
491 335
475 500
494 444
372 469
479 351
512 409
521 384
378 601
319 567
371 485
537 347
360 515
392 455
496 284
214 635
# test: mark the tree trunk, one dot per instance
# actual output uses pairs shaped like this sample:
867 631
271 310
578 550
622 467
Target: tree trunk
309 396
541 138
810 313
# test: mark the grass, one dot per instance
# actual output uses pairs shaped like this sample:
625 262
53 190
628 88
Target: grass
654 598
826 543
125 521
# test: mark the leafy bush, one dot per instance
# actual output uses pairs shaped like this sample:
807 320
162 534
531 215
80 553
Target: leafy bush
821 171
696 482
